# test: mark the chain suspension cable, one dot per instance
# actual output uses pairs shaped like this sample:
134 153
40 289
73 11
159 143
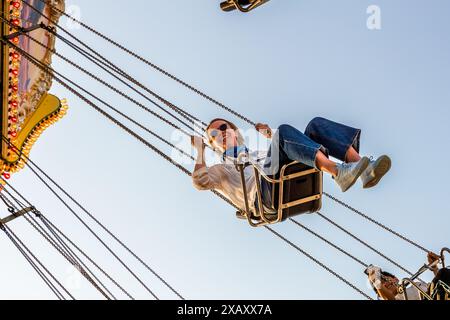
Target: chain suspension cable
49 187
54 23
229 110
77 259
73 262
7 203
253 123
12 235
29 161
12 207
55 242
159 152
319 263
98 222
117 91
47 221
309 256
52 72
93 233
329 242
281 237
106 64
135 55
178 110
116 70
50 226
103 243
36 268
364 243
365 216
61 248
219 104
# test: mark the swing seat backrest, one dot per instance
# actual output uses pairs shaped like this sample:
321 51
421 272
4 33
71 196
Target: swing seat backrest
300 188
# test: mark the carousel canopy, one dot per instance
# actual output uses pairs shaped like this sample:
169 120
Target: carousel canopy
27 107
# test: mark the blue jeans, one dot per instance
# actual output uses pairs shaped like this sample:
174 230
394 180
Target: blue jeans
289 144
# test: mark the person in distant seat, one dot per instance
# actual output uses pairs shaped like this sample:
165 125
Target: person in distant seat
322 138
386 285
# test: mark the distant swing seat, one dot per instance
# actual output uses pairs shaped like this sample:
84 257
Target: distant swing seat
296 190
436 291
440 291
241 5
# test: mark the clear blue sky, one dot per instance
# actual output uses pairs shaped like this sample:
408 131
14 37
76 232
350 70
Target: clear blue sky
287 62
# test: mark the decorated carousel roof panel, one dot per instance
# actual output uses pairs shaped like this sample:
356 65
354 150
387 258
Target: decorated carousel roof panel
27 107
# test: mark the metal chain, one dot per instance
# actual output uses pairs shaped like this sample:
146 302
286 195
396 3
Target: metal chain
12 235
238 115
14 208
319 263
50 226
77 260
227 109
126 96
98 238
7 203
307 254
364 243
329 243
152 65
22 207
46 236
77 266
43 218
111 65
106 64
40 273
162 154
219 104
46 69
28 161
51 71
376 222
184 169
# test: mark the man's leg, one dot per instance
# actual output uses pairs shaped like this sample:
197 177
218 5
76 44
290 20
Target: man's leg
352 155
289 144
326 165
342 141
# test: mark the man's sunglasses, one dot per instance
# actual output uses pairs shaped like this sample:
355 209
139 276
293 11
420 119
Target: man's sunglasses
215 132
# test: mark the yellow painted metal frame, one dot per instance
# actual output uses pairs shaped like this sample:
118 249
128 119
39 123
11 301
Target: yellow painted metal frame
410 281
231 5
49 109
261 217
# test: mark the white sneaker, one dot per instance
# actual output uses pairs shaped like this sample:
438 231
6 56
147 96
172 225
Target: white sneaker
375 171
348 173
